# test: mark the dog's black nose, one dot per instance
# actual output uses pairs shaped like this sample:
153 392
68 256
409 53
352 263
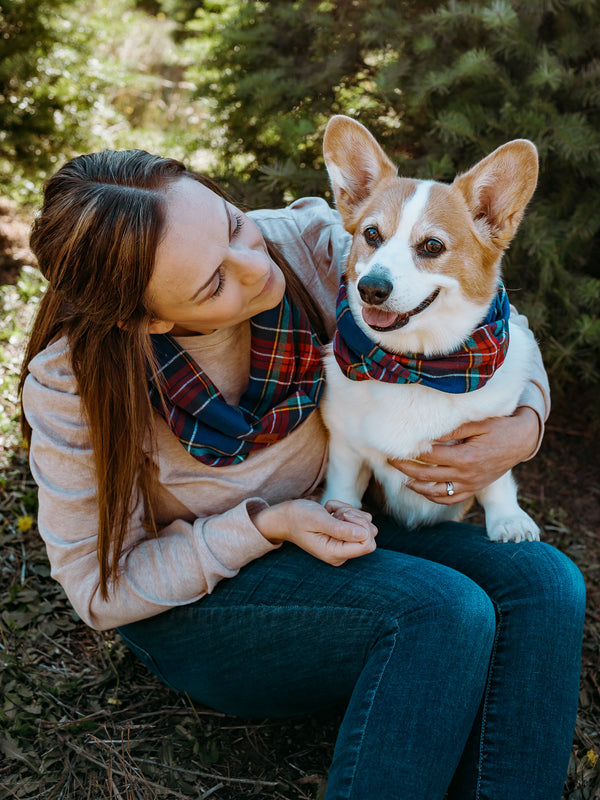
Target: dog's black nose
374 289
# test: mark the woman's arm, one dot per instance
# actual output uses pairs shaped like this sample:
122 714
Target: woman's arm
179 566
485 451
188 557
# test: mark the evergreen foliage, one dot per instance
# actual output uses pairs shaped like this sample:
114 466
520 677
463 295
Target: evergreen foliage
440 84
275 72
85 75
39 100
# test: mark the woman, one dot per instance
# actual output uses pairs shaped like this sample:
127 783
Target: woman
170 390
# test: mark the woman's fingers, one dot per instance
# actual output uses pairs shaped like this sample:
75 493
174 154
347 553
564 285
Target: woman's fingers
345 522
344 511
333 550
445 493
333 534
339 532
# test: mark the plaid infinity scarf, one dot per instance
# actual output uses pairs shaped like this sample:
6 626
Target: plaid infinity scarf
285 386
464 370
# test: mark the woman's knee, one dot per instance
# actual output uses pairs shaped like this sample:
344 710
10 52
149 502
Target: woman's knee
446 610
545 588
547 575
466 612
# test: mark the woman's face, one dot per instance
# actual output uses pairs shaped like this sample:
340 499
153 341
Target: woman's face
212 268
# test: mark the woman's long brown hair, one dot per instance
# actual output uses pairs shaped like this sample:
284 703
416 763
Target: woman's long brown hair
95 241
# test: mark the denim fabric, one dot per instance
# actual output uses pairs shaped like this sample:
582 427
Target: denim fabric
458 659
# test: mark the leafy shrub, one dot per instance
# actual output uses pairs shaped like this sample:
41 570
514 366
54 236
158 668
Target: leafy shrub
40 104
85 75
440 85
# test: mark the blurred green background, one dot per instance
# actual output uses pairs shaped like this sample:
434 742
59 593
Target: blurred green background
243 89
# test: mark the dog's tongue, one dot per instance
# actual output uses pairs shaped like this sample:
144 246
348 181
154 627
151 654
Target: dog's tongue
379 318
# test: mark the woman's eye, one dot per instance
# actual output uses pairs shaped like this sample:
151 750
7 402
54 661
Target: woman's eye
372 236
239 220
431 247
220 285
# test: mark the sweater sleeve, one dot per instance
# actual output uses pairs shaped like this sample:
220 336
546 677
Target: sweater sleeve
536 394
180 565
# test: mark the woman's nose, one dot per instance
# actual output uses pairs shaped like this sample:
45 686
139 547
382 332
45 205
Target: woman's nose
250 264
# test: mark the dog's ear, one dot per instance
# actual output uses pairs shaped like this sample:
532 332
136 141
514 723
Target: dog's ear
498 188
355 163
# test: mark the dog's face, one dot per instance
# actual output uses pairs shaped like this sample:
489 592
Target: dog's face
425 256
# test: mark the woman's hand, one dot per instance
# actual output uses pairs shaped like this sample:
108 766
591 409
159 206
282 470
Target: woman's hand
472 456
333 533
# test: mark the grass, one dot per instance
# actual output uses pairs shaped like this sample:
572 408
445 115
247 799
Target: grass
80 719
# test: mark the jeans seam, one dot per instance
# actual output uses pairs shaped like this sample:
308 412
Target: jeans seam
299 607
485 702
372 694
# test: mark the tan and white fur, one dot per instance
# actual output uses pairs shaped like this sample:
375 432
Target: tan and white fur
474 219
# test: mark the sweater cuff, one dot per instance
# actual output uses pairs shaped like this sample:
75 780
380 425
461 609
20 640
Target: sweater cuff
232 538
538 401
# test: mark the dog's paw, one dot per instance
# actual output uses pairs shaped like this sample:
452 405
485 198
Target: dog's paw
516 528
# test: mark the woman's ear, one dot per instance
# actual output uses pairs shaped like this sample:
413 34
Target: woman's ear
155 326
160 326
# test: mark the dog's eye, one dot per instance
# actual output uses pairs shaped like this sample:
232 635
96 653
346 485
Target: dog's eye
431 247
372 236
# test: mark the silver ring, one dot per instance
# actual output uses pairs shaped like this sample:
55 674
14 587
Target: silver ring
449 488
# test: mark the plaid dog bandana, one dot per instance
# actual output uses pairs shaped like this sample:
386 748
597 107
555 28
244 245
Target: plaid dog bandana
285 386
464 370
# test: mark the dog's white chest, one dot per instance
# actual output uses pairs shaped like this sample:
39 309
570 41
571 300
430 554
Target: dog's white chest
402 420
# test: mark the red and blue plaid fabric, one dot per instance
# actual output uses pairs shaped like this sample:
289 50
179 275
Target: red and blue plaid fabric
285 386
465 370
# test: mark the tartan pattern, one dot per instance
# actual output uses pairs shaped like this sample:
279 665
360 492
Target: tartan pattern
285 386
465 370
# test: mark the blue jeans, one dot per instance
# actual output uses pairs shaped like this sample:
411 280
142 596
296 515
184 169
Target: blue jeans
458 659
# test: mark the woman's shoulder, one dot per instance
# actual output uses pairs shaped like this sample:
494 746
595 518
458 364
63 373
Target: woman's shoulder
51 402
310 235
52 367
309 221
299 215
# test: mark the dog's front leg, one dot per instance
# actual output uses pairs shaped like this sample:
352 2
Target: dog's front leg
505 520
347 475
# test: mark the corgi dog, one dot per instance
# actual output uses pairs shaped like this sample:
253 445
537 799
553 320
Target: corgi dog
422 344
